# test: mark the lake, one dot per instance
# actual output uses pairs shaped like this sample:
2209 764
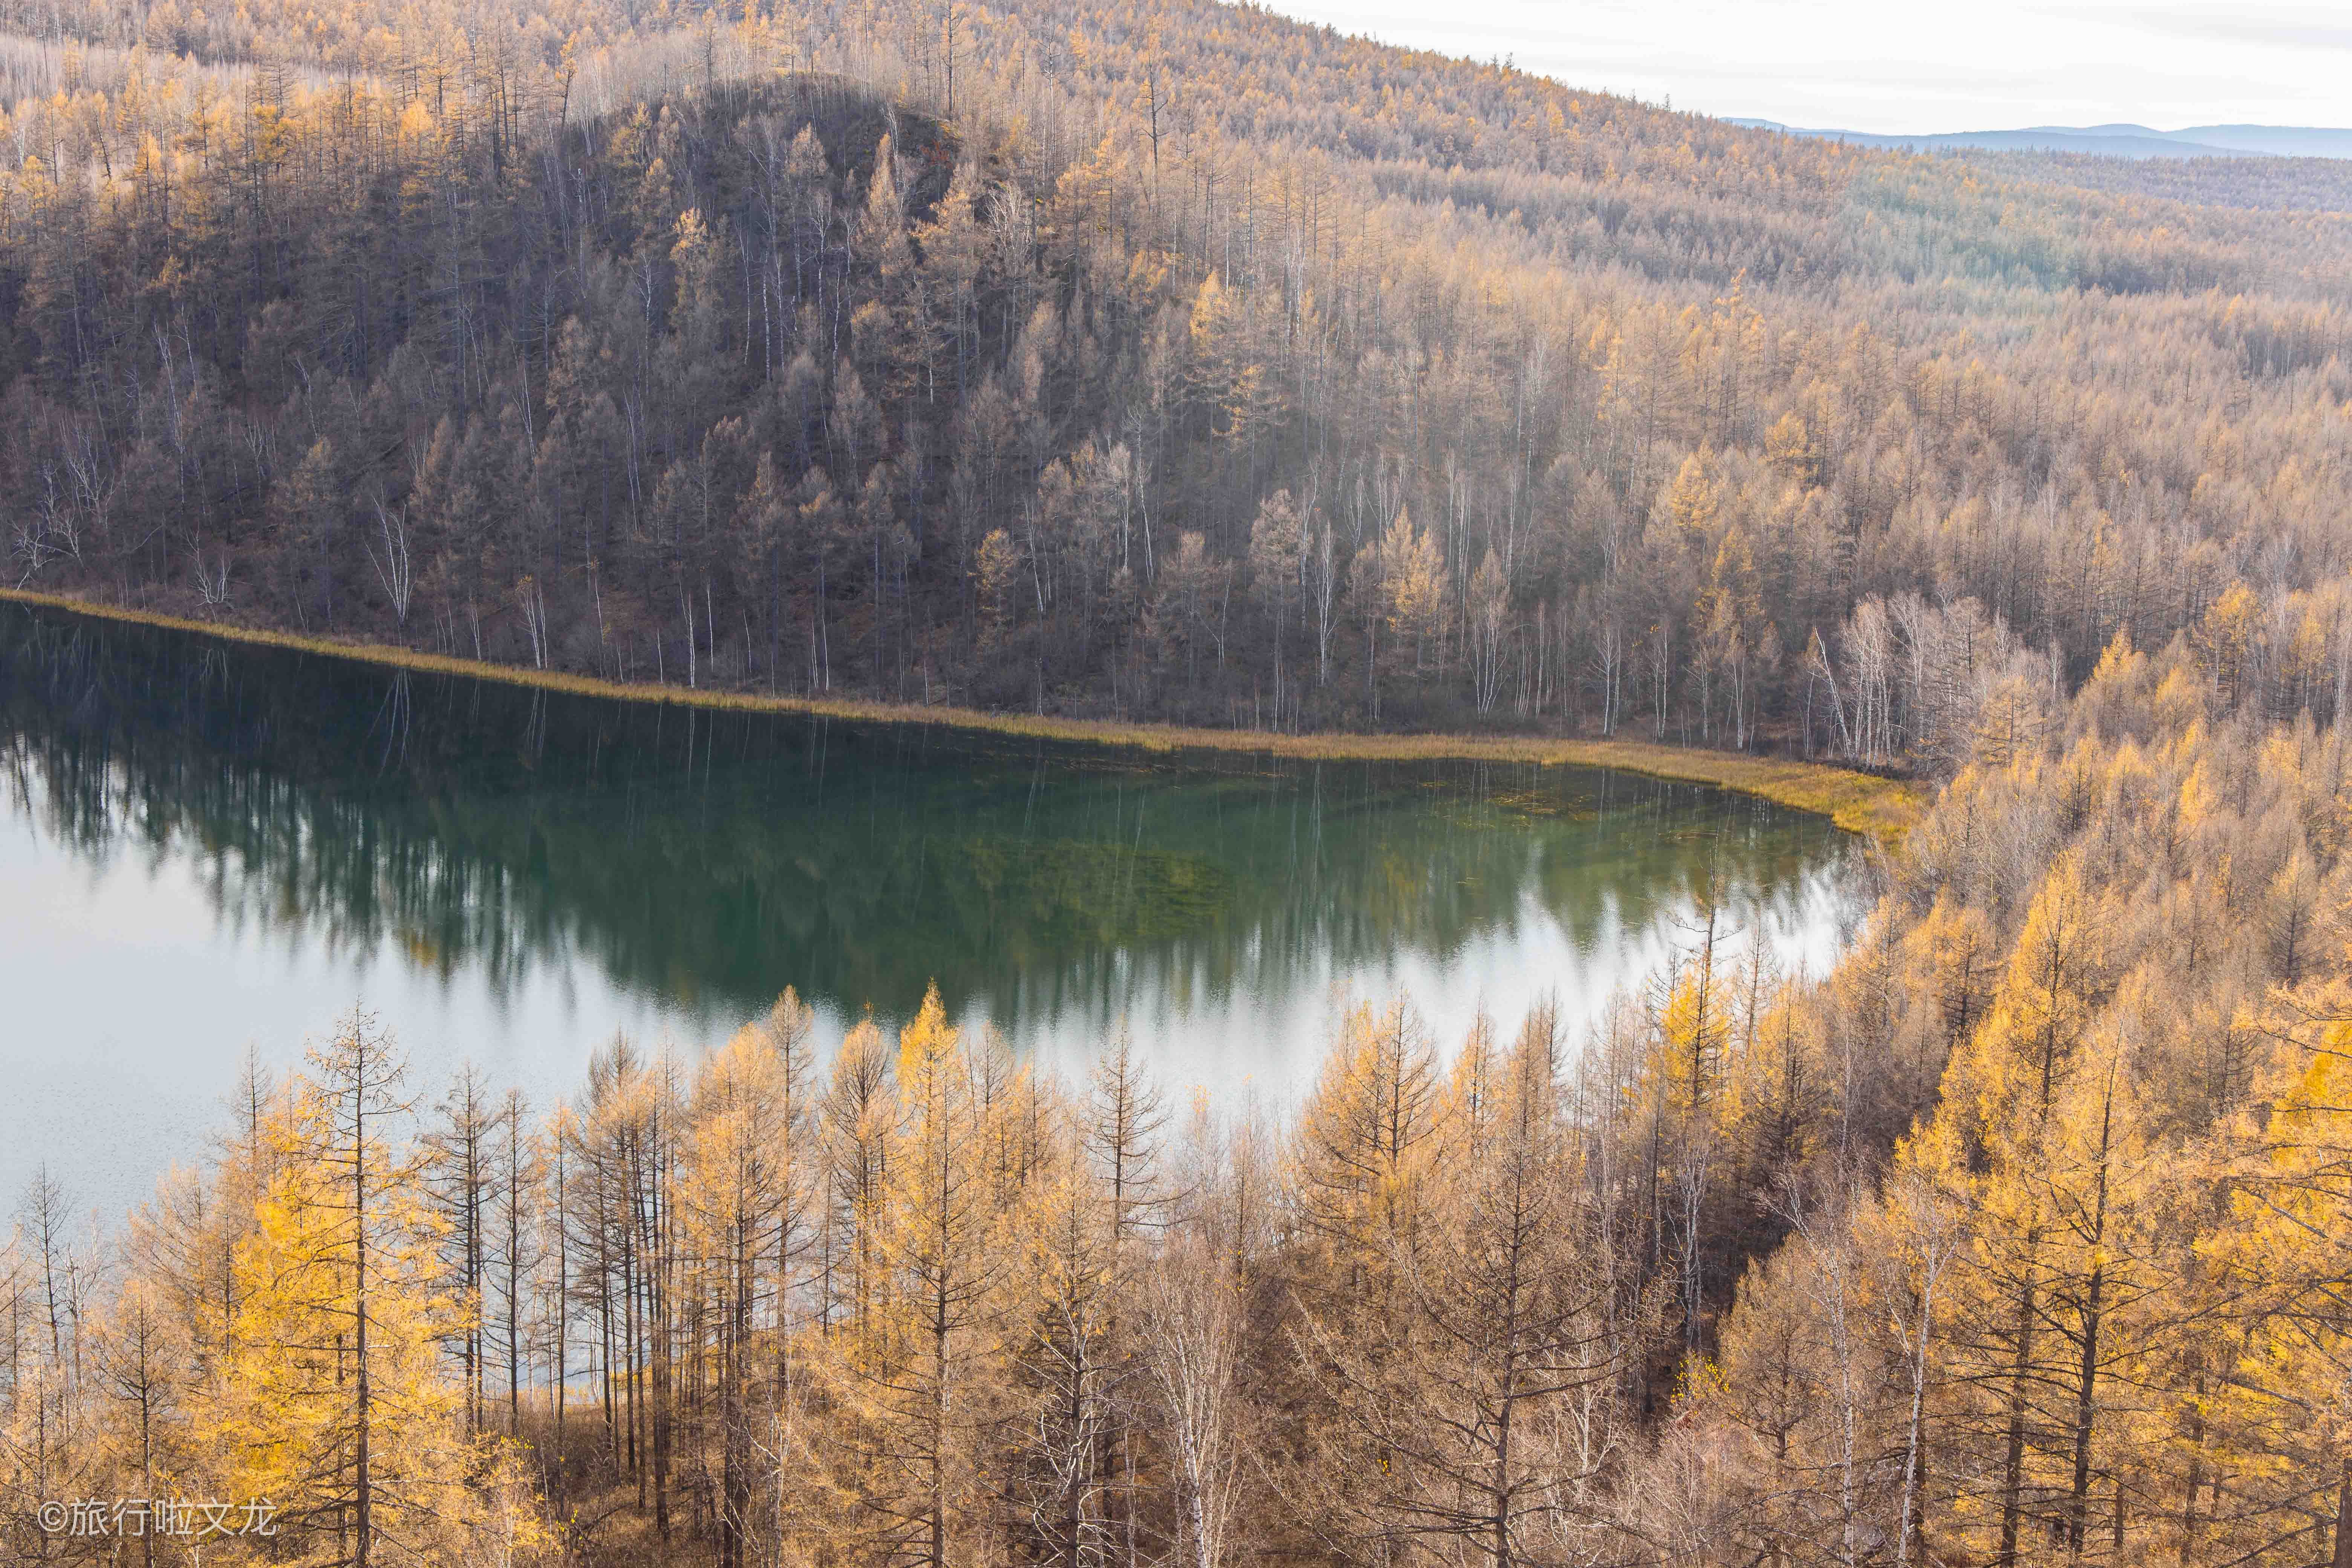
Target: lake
208 846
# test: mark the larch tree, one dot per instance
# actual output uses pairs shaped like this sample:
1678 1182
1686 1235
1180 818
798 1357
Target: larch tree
744 1199
336 1410
1470 1386
919 1375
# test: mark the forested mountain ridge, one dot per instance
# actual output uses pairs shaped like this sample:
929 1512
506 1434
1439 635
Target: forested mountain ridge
1184 362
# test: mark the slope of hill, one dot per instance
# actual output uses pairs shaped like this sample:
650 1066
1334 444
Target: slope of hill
2249 184
1188 362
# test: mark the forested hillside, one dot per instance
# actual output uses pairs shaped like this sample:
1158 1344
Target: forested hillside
1182 362
2258 184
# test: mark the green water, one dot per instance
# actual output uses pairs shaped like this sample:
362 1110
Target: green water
204 846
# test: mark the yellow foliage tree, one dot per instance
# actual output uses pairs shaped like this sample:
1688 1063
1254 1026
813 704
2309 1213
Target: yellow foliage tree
333 1405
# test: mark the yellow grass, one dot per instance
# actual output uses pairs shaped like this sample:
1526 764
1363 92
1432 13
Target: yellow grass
1881 808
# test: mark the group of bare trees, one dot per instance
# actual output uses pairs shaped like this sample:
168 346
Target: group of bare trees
1217 369
911 1305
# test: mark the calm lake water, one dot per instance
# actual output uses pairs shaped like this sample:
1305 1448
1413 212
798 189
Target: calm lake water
205 846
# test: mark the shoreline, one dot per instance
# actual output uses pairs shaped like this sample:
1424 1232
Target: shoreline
1878 808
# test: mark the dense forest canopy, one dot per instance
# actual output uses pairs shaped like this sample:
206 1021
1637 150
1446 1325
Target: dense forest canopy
2258 184
1178 361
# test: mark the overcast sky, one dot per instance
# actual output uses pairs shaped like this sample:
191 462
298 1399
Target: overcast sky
1906 66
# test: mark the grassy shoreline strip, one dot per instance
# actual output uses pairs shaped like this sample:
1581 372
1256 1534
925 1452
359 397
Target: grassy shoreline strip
1880 809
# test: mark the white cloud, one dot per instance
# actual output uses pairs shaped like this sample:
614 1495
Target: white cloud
1861 66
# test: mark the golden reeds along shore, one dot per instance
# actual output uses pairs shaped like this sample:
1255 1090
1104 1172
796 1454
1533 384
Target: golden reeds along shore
1878 807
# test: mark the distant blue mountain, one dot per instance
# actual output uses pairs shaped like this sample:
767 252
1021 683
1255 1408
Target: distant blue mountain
2275 141
2113 140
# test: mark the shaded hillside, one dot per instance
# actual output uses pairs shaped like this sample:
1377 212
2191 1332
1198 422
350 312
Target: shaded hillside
1187 363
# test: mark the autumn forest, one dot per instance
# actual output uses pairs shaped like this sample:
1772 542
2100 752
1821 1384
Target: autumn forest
1176 362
